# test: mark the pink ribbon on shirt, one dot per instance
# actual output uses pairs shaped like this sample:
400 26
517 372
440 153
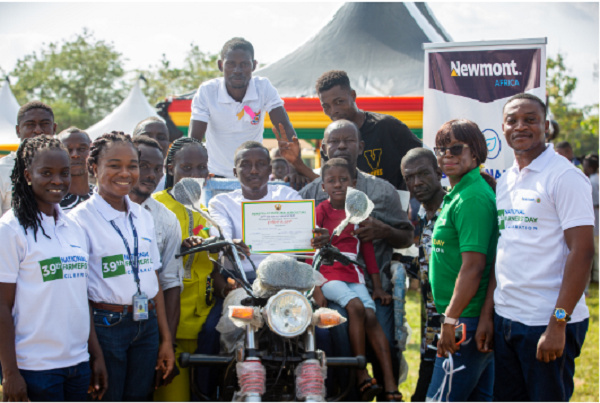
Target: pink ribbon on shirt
249 111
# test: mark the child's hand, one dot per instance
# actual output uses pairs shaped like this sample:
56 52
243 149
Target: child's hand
383 296
320 238
319 297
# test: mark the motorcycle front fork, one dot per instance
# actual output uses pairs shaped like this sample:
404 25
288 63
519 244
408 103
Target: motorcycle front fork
250 372
310 375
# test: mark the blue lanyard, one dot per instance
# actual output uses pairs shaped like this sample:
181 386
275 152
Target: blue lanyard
133 260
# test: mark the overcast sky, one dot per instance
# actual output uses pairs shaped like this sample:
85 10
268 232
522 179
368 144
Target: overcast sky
142 31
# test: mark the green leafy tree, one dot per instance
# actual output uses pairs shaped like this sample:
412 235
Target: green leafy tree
81 79
163 79
578 126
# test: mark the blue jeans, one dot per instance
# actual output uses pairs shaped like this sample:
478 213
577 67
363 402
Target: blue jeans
476 381
520 376
130 351
58 385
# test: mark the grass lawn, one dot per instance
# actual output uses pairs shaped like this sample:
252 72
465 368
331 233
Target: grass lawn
586 366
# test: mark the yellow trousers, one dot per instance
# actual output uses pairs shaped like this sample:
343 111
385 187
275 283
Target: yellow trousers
180 389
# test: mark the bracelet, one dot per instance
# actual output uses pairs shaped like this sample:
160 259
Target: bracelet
446 320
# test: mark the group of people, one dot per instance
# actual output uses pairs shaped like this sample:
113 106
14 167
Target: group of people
93 300
509 260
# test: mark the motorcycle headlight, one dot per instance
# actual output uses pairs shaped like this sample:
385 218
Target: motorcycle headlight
288 313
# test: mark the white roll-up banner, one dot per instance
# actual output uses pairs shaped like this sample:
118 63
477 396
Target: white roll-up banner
473 81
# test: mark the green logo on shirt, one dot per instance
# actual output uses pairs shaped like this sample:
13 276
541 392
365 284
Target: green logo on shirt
113 266
51 269
501 219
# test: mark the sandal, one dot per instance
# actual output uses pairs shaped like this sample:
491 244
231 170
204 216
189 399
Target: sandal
368 389
393 396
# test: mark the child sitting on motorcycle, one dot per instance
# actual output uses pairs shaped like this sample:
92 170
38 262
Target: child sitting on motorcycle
346 284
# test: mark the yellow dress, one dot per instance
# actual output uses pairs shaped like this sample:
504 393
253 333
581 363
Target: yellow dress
194 309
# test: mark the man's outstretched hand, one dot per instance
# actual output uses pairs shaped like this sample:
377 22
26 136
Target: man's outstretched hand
289 149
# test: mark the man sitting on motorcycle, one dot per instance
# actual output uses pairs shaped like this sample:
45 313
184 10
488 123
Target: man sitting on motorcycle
252 168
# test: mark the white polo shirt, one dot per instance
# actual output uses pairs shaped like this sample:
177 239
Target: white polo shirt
6 167
535 206
50 311
111 276
226 210
231 123
168 240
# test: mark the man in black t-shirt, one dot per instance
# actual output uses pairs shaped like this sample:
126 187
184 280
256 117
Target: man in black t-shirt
386 138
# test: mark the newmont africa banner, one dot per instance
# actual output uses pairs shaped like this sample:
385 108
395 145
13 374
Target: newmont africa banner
473 80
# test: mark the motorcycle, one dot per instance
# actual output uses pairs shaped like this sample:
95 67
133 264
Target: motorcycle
268 327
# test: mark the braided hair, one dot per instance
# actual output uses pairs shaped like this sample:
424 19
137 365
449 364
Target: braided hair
100 144
23 202
177 146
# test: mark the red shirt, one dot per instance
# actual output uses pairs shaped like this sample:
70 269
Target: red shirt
330 218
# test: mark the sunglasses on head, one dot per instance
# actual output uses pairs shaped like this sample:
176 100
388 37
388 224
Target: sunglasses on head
455 150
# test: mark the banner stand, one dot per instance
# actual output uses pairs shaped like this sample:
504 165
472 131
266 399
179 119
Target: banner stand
473 80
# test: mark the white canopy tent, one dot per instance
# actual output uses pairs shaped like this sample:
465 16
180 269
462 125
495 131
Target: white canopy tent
126 116
9 108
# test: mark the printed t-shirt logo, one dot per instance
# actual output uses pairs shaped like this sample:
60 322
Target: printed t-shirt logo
438 245
57 268
51 269
118 265
113 266
254 116
516 219
373 158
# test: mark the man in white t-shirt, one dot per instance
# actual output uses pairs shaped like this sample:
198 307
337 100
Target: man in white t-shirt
166 226
252 168
34 118
545 248
231 109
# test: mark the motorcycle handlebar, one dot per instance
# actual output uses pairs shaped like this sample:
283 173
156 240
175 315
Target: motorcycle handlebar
330 253
212 245
187 359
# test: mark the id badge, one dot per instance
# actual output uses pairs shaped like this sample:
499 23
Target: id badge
140 306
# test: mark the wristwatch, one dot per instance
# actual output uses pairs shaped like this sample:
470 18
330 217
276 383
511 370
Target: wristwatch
446 320
561 315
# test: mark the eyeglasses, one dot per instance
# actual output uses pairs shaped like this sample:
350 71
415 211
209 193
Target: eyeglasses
455 150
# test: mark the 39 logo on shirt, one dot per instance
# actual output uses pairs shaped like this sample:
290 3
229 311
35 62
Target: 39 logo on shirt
113 266
51 269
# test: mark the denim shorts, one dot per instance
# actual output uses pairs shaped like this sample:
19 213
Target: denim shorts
342 292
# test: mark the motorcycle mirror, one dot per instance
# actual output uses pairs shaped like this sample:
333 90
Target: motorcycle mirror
358 208
187 192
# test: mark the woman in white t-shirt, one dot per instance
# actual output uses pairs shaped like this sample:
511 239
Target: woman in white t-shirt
125 295
44 313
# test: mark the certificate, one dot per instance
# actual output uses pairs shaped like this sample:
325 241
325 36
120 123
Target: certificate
278 226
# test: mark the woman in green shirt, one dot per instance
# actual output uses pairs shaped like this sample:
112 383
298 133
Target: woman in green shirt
464 248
